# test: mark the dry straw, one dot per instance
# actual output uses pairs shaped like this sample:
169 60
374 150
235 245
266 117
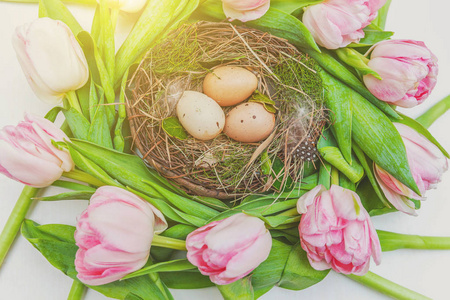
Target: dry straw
223 168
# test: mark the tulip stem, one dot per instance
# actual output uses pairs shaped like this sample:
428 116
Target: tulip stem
83 177
73 100
15 220
167 242
386 287
77 291
334 176
392 241
434 112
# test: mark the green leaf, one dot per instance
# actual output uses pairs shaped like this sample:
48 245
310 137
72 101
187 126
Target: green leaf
375 134
99 130
78 124
371 201
56 10
289 6
173 128
268 104
212 202
285 26
372 36
106 41
325 175
83 95
119 141
91 168
73 186
53 113
185 280
269 272
298 273
55 242
171 212
380 20
98 70
241 289
336 69
79 195
333 155
167 266
367 164
422 130
340 105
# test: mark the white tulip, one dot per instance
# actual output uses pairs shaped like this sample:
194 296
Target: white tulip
51 58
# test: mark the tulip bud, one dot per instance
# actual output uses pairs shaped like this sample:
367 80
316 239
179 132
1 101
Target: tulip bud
245 10
229 249
408 70
28 155
427 164
336 231
114 235
337 23
129 6
51 58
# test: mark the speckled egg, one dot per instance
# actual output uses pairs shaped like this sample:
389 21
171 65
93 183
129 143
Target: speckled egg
249 122
229 85
200 115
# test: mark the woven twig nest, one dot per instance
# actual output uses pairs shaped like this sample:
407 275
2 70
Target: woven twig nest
224 168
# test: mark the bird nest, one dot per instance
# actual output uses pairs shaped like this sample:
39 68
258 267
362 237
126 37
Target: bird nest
221 167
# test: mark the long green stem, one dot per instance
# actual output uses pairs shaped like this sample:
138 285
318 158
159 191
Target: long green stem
334 176
166 242
392 241
77 291
73 100
15 220
434 112
387 287
83 177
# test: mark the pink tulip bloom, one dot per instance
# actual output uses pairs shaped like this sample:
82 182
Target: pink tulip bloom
114 235
427 164
336 231
229 249
28 155
245 10
408 70
337 23
51 58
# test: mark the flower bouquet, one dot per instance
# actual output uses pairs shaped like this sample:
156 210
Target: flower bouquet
98 209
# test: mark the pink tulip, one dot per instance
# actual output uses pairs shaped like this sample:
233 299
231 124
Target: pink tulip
229 249
337 23
114 235
336 231
408 70
28 155
427 164
245 10
51 58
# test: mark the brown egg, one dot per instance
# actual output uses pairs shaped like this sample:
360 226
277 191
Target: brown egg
229 85
200 115
249 122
